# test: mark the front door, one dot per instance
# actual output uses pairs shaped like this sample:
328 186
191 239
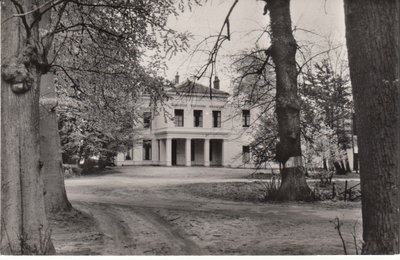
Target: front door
173 152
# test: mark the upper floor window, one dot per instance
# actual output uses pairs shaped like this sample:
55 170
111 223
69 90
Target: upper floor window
146 149
198 118
146 119
178 117
246 118
216 118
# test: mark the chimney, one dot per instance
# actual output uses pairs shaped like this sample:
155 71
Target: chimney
216 82
177 79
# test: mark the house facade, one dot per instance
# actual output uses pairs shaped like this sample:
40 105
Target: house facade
197 126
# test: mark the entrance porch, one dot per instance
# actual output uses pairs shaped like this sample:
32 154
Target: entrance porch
189 152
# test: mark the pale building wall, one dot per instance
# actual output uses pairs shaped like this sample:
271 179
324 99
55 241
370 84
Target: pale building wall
233 134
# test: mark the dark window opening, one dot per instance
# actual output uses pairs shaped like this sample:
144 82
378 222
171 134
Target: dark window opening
198 118
192 150
245 154
178 117
216 118
246 118
159 149
129 155
146 119
211 151
146 149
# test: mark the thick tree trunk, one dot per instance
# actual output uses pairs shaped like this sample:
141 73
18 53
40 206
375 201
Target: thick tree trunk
372 32
294 186
24 228
55 196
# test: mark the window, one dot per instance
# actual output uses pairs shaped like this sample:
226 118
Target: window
211 151
159 149
216 118
245 154
129 155
246 118
198 118
192 150
178 117
146 149
146 119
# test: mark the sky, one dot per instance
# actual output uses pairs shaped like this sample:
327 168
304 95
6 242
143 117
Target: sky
324 18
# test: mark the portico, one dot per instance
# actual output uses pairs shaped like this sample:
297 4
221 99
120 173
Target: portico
188 152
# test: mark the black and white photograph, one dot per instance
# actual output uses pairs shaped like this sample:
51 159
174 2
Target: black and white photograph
200 128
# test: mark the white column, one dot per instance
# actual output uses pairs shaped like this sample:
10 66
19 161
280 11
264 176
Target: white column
223 155
206 152
168 154
188 152
154 151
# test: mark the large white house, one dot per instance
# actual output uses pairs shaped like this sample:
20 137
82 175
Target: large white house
193 128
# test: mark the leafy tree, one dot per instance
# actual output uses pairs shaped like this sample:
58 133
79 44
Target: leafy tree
104 37
103 54
327 110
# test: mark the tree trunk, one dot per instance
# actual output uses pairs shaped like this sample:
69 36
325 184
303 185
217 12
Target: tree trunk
24 228
294 186
55 196
372 32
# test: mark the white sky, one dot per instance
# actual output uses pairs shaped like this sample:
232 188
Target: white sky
324 17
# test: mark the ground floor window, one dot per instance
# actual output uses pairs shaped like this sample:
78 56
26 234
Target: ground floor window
129 155
146 149
192 150
245 154
159 149
210 151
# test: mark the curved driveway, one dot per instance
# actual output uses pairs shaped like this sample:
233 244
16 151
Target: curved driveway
145 211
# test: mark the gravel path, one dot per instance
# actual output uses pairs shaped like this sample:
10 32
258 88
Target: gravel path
147 211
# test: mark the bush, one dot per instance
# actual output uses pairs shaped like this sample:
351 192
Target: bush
71 170
270 189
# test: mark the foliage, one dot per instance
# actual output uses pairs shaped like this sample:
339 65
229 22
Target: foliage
253 88
326 106
107 54
326 97
326 112
270 188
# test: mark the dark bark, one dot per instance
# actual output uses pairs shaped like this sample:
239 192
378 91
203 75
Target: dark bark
372 32
294 186
24 228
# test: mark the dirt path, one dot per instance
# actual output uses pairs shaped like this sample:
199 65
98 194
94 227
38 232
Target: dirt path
147 211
